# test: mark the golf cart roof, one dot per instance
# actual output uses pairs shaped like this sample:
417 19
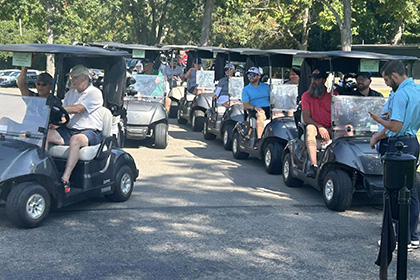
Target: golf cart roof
121 46
179 47
61 49
354 55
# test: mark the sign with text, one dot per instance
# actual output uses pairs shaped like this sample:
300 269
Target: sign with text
22 59
369 65
297 61
139 53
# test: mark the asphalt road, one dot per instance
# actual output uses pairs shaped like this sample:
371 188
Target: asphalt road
196 213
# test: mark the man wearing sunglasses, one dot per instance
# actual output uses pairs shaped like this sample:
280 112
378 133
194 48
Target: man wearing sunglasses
256 99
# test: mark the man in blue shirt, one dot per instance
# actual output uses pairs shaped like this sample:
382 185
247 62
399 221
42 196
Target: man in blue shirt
256 98
400 122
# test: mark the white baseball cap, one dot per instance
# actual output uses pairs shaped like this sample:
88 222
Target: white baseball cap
229 66
254 70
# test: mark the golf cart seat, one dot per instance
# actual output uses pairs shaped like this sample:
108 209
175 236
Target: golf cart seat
90 152
189 97
221 110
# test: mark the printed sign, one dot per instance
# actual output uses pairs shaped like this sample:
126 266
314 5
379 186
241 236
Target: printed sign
22 59
139 54
297 61
369 65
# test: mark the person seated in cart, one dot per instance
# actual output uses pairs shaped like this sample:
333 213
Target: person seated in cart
222 89
256 98
83 102
191 75
174 71
316 115
363 81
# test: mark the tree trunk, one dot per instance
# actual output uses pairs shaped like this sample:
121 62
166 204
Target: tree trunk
398 32
305 30
50 37
346 36
205 28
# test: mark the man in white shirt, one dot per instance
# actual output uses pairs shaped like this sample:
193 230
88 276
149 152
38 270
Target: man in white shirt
83 102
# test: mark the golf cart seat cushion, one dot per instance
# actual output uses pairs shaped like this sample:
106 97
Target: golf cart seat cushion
189 97
89 152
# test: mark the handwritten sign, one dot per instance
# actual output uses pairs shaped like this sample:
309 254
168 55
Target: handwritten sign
22 59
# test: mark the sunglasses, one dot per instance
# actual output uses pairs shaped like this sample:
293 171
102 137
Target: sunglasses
252 75
41 84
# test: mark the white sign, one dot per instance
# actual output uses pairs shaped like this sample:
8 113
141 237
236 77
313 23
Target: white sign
22 59
369 65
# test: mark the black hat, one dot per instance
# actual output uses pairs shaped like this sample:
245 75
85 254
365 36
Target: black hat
296 70
45 78
364 74
197 61
319 74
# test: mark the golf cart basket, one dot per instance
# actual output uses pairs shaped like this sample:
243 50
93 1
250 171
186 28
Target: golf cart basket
354 111
283 97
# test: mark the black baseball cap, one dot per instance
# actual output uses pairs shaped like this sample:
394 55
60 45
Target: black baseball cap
319 74
364 74
45 78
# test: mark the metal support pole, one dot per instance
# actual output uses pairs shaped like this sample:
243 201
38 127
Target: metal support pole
404 201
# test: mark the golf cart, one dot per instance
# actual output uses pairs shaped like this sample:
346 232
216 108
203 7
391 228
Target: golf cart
347 164
29 175
280 129
145 100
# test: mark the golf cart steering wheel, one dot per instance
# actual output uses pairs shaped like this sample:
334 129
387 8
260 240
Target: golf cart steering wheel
57 114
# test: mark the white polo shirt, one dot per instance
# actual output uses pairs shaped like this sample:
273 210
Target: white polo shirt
91 98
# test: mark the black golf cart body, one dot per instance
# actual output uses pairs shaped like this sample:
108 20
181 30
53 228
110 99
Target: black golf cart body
30 176
279 130
219 121
146 114
348 164
192 107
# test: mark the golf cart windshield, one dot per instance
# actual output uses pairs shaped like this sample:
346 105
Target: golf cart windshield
283 97
205 80
354 111
23 118
149 87
236 85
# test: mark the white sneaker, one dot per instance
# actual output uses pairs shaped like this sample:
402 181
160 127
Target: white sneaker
410 247
415 244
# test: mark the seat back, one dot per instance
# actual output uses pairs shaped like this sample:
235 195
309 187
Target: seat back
106 123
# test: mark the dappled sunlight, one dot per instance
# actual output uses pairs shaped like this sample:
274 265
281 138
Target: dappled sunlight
200 228
145 229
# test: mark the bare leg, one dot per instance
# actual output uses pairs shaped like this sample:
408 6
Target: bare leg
76 142
168 102
54 137
260 124
311 133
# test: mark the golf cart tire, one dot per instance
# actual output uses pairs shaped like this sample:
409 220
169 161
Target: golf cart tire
227 137
19 200
197 121
288 178
123 187
160 134
207 135
179 119
272 154
236 149
173 112
337 190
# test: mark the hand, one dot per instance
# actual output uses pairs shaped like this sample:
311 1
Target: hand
259 110
385 116
324 134
51 126
373 140
375 117
214 97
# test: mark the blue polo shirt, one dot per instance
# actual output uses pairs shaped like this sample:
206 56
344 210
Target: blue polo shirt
257 96
404 106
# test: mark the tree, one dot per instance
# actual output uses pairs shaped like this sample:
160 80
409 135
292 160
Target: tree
205 29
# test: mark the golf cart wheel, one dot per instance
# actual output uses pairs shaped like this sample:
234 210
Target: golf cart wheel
180 119
160 134
173 112
123 187
197 121
288 178
28 204
337 190
207 135
236 149
272 158
227 137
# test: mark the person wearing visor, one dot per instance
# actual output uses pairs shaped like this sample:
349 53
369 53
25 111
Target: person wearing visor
222 90
316 115
256 99
191 75
83 102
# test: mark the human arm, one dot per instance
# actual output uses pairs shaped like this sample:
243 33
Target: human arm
392 125
75 109
21 82
377 137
